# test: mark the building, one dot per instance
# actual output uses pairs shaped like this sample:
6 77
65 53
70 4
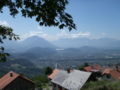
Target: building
93 68
14 81
113 74
107 71
73 80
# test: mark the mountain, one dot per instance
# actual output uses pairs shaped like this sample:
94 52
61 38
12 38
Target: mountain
36 53
31 42
36 41
80 42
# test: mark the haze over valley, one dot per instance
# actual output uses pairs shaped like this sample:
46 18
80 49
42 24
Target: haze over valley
37 53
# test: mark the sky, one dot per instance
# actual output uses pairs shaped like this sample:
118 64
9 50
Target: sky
94 19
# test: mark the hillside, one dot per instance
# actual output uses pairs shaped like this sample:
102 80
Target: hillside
102 85
21 66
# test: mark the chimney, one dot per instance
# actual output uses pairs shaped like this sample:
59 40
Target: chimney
68 70
11 74
117 68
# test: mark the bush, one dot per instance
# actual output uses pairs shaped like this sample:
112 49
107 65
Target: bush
40 81
102 85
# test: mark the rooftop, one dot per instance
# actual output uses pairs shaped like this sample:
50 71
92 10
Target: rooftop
73 80
54 73
93 68
9 77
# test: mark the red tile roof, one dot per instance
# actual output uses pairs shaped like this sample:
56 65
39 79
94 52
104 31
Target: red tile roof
107 71
93 68
54 73
88 68
9 77
97 67
115 74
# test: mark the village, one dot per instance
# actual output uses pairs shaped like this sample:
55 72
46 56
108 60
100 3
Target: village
59 44
59 79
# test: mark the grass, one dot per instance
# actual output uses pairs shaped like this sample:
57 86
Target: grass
102 85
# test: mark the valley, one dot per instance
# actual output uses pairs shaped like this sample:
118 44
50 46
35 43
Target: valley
29 57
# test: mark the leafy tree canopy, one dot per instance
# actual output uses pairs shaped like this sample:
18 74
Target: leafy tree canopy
46 12
5 33
48 70
40 81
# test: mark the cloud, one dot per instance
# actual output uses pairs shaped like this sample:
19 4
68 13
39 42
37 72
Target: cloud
103 34
4 23
30 34
99 35
60 35
64 34
39 34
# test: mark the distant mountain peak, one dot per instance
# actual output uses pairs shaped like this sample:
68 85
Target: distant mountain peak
34 38
31 42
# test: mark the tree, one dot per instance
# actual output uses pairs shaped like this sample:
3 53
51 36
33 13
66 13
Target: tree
86 64
94 76
48 70
5 33
40 81
46 12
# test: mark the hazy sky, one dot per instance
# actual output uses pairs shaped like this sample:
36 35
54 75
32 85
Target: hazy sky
94 19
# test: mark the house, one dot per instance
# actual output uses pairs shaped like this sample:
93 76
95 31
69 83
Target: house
113 74
73 80
93 68
14 81
107 71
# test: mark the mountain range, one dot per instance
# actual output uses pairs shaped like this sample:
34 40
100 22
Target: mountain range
35 41
106 43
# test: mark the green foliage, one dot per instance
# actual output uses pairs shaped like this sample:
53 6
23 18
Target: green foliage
40 81
46 12
102 85
5 33
94 76
82 66
20 65
48 70
86 64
